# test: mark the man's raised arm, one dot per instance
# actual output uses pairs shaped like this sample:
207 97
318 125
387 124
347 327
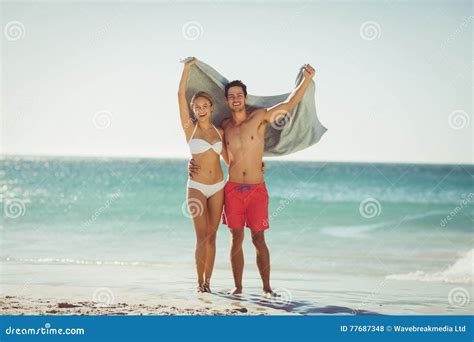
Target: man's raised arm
274 113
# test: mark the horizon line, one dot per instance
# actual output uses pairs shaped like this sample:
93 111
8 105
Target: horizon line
50 156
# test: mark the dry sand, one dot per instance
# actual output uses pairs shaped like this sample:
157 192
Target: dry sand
15 305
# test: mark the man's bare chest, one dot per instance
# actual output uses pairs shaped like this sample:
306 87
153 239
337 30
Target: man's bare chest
242 135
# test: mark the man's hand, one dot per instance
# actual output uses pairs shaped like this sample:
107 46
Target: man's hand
275 113
308 71
193 168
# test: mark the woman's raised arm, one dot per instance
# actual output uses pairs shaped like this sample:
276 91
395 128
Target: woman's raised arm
186 122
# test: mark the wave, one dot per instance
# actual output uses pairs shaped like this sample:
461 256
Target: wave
70 261
361 230
352 231
462 271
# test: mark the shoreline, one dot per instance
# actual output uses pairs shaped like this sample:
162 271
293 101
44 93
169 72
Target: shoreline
90 290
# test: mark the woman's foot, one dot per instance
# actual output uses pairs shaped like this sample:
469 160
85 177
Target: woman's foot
235 291
207 286
200 289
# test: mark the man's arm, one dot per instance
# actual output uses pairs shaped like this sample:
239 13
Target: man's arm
224 153
274 113
193 168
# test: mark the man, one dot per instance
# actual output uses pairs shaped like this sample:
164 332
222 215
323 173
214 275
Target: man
245 193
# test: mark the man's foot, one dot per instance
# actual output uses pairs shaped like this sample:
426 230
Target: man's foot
235 291
268 293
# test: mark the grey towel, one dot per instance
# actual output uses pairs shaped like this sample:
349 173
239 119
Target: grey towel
298 130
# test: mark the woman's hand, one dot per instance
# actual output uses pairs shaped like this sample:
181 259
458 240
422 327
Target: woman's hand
190 63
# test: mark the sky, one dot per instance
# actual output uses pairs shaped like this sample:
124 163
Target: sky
393 78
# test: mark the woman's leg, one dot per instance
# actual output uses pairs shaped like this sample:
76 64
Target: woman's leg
197 206
214 208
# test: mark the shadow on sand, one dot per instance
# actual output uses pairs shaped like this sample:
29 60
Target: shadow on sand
297 307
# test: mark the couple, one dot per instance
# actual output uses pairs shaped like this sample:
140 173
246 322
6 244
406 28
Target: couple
243 199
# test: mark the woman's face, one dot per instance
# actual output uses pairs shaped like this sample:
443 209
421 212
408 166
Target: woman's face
202 109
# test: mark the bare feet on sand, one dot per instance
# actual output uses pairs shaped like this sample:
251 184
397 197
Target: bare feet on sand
268 293
200 289
235 291
207 286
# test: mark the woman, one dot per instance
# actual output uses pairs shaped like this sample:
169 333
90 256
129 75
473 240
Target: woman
205 190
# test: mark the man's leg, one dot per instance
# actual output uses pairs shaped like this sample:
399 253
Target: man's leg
237 259
263 259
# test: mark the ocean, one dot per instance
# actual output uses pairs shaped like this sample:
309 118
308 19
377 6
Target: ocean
384 238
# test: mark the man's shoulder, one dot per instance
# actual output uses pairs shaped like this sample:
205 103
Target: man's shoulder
257 114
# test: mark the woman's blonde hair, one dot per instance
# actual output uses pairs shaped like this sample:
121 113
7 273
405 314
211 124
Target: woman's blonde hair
204 95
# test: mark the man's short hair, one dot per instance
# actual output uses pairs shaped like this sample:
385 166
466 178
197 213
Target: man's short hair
236 83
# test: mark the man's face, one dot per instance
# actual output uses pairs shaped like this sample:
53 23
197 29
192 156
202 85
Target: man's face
236 99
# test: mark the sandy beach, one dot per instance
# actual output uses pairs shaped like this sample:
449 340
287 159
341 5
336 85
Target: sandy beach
33 299
98 290
19 306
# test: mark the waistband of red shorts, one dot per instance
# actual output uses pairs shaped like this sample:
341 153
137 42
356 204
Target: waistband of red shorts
244 186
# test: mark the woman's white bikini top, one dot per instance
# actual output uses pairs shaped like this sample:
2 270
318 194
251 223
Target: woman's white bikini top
200 145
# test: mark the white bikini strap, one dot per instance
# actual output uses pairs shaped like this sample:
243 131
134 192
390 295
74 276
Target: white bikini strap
195 128
220 136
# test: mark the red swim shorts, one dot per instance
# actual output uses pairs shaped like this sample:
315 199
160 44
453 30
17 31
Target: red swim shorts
245 205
